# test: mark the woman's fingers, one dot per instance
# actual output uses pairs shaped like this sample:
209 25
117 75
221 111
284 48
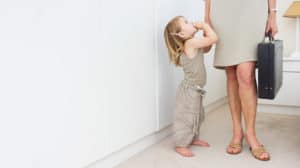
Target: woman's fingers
274 30
267 29
271 27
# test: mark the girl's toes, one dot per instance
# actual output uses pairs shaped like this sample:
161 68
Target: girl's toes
207 145
265 156
184 152
200 143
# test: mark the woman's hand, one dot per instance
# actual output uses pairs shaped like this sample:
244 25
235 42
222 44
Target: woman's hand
208 21
272 24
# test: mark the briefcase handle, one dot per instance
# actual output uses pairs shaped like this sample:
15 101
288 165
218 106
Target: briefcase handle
269 35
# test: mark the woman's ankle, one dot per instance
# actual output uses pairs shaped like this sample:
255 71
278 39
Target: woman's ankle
238 133
250 134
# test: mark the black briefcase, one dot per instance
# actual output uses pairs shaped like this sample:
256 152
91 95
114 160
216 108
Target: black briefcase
269 66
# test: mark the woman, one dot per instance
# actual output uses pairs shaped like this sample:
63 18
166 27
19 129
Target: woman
241 25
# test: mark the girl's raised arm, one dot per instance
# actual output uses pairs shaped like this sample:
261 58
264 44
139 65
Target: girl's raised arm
206 41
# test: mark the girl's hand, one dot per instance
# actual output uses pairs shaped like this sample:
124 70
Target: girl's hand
272 24
201 25
198 25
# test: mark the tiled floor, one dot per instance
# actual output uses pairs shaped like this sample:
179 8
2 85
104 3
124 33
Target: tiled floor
279 133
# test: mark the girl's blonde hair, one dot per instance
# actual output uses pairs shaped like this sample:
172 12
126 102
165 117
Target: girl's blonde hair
173 42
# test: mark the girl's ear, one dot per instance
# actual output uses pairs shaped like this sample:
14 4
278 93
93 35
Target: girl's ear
181 35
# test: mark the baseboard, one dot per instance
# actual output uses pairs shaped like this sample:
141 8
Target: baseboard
124 154
263 108
278 109
216 104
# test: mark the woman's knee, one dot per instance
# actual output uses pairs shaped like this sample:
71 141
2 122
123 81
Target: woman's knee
246 74
231 74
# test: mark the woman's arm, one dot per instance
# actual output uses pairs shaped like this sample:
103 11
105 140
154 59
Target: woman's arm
272 5
208 21
271 22
207 12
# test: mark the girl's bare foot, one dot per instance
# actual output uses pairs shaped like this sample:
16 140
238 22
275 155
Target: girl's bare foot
201 143
183 151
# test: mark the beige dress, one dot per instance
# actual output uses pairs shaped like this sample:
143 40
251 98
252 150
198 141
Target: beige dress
240 25
189 111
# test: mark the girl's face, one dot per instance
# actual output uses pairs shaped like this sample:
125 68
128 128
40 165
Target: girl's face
187 28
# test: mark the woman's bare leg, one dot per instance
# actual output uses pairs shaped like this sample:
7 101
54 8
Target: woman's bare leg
248 96
235 107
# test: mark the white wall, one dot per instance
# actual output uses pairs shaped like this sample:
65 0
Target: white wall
286 27
52 97
129 63
79 79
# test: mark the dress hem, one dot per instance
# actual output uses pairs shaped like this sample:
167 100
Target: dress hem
234 64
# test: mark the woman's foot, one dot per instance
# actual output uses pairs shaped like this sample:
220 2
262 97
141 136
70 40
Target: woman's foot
236 144
257 149
184 151
201 143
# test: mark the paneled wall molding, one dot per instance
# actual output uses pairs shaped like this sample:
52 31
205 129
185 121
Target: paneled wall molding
291 65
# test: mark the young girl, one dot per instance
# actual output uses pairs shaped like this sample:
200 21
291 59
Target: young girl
186 51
